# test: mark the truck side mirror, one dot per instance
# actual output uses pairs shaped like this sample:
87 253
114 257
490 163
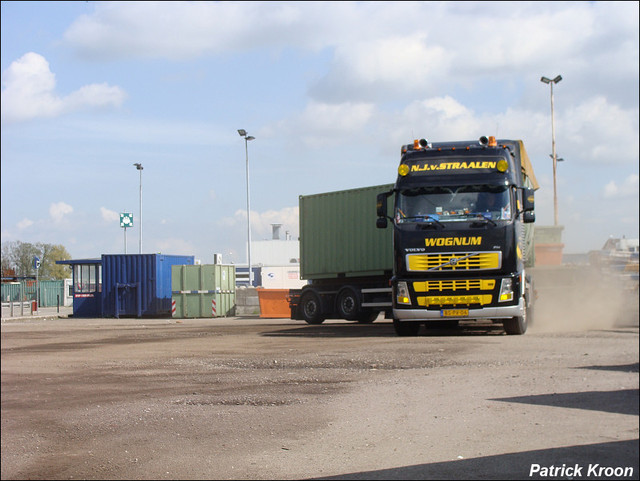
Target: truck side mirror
528 201
381 204
381 209
528 204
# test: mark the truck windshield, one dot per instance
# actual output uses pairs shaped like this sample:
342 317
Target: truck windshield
453 204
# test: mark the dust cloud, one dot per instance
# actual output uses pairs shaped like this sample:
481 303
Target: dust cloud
582 298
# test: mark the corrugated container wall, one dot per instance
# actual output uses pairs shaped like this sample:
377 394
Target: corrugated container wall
138 284
338 234
203 290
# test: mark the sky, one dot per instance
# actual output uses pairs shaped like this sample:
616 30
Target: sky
329 90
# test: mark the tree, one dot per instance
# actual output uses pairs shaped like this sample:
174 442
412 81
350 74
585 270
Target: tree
48 267
19 256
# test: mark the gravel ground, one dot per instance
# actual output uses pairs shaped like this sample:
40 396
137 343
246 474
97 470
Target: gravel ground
250 398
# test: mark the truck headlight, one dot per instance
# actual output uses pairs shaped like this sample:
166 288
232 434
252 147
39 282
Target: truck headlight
506 291
402 294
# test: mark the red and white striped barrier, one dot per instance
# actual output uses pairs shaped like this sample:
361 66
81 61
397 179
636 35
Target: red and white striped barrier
213 307
173 308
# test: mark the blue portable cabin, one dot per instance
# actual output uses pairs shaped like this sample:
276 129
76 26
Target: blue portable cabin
124 284
87 286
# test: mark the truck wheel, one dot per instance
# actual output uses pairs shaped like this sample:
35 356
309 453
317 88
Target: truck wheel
348 304
368 317
529 299
311 308
406 328
517 325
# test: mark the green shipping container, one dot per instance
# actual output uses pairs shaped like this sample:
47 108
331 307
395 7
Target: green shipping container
339 237
203 290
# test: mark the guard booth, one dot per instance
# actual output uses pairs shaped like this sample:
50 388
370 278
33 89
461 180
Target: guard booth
87 286
132 285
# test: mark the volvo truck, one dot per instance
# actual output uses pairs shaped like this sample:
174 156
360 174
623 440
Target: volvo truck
462 234
449 241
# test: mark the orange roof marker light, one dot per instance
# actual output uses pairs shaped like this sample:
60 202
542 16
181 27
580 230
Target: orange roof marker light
488 141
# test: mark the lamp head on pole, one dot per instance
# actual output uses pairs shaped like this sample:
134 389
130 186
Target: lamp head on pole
548 80
138 166
243 133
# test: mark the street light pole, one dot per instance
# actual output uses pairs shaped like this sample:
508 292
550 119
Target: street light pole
139 167
247 138
553 148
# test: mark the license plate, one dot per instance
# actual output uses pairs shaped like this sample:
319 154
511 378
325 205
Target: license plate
454 313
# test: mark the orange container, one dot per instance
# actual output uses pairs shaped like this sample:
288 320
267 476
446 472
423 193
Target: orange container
548 254
274 303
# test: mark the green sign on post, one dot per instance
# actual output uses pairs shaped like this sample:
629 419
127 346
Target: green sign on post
126 220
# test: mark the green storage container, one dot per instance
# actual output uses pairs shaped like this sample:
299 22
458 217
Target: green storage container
203 290
339 237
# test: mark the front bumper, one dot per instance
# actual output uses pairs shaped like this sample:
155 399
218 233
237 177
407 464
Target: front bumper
505 312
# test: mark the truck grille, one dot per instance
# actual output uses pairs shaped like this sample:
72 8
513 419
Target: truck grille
474 299
456 285
454 261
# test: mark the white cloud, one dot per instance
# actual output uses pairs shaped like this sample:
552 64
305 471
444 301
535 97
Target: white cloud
605 133
28 92
439 118
628 188
382 68
325 124
25 223
58 210
261 221
171 246
109 215
178 30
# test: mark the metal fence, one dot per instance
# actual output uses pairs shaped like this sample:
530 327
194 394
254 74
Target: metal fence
51 293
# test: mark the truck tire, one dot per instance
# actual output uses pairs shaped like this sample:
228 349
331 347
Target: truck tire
348 304
367 317
529 299
517 325
405 329
311 308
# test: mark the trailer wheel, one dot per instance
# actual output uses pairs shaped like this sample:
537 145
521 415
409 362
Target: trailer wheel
311 308
348 304
406 328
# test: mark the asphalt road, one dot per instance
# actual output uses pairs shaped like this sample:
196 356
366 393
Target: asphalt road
250 398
